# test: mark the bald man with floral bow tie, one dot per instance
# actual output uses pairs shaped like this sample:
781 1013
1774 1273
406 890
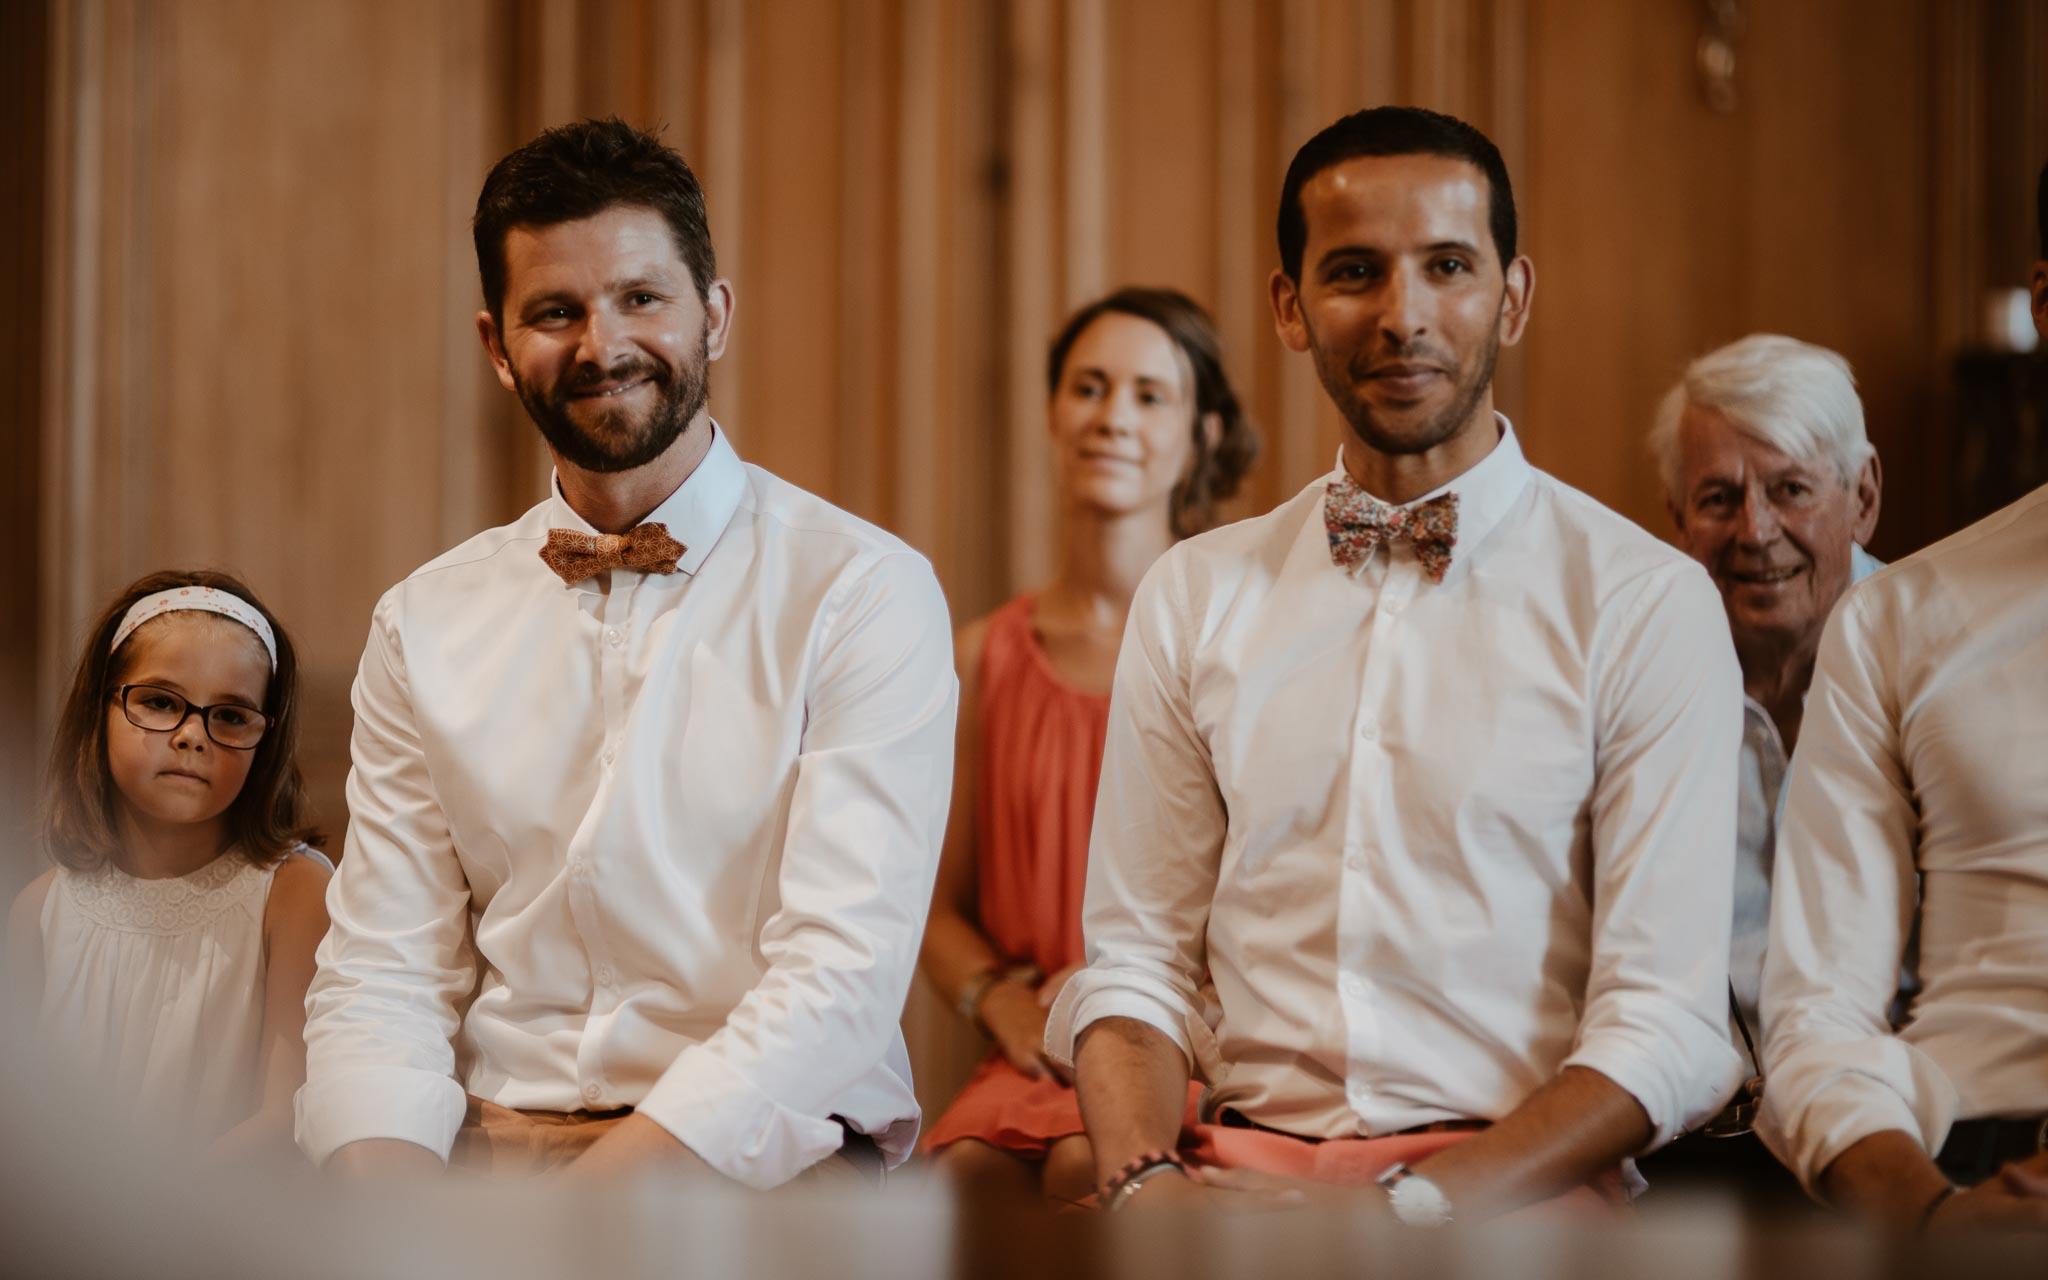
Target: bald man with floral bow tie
1430 771
657 772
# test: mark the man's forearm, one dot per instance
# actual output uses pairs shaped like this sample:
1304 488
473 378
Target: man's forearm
1563 1135
1133 1083
1886 1177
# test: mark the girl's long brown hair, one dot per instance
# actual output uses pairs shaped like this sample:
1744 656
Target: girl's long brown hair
266 820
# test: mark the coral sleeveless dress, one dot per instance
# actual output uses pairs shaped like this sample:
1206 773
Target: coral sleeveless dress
1041 757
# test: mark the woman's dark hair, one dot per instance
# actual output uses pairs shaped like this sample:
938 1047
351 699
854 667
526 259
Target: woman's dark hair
267 818
1217 469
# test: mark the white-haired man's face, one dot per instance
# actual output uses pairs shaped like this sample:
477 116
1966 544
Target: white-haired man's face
1773 531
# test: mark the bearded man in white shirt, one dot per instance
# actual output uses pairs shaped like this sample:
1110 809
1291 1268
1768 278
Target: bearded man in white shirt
657 772
1918 802
1431 770
1773 486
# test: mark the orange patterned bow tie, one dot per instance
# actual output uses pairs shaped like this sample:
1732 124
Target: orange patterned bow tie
1358 523
575 556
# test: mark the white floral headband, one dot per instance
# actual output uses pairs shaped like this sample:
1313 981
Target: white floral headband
205 599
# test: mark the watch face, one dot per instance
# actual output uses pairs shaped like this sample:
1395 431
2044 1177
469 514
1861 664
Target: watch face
1419 1202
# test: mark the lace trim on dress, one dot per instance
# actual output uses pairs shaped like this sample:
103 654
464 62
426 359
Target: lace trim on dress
112 897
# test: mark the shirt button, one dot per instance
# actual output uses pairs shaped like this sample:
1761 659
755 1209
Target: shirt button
604 975
613 638
1355 860
1369 729
591 1093
609 755
1351 985
576 865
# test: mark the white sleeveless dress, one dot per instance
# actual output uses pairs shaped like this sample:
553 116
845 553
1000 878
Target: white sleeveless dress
153 991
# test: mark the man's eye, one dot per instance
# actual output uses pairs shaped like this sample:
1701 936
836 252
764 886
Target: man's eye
1148 397
1453 267
643 299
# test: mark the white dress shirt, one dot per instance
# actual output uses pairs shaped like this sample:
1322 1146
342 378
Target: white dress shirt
1919 768
685 826
1759 812
1434 842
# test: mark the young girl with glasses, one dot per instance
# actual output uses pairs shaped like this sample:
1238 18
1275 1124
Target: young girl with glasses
164 961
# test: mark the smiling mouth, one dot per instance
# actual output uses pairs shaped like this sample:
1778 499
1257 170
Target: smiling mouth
1768 577
607 393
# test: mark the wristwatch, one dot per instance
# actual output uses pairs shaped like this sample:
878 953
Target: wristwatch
1416 1201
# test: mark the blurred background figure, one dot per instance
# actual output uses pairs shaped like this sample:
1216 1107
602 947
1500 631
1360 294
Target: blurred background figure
1147 436
1773 486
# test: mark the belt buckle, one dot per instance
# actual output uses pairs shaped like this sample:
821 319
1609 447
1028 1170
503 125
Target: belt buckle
1739 1116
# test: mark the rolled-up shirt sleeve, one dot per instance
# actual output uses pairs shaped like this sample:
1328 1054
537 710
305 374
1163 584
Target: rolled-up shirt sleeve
1842 897
1668 701
1156 842
868 809
381 1012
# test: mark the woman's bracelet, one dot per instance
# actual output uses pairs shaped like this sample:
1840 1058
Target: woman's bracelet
976 989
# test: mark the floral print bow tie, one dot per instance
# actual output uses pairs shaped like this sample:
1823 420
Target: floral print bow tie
1359 523
574 555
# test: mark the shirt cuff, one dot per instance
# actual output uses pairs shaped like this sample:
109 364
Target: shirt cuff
402 1103
1082 1004
1851 1105
735 1127
1677 1083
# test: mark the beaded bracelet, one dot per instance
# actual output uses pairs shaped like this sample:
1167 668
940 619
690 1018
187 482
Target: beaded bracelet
1127 1180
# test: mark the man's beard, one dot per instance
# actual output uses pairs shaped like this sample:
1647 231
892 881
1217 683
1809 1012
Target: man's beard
614 441
1341 382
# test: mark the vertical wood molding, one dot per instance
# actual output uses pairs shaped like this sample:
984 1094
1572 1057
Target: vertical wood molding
724 175
1032 280
1295 428
920 339
1086 152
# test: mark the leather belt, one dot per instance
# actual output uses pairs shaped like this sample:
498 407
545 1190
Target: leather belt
1231 1118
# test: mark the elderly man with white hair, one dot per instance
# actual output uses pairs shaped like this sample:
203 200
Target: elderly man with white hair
1773 486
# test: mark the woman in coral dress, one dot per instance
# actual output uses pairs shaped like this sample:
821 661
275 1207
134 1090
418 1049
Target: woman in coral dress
1148 437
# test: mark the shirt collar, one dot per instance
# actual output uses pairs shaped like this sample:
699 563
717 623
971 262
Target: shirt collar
695 515
1862 564
1486 490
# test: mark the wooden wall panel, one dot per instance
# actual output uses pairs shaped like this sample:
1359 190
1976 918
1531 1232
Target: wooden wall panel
24 65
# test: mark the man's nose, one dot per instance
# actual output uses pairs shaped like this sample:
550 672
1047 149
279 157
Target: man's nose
1758 524
1404 307
600 340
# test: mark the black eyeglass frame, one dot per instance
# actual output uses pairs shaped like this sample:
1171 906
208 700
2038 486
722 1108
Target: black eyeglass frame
192 708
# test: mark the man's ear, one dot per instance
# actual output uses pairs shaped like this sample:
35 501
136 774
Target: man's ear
718 304
1517 293
1287 321
494 346
1868 496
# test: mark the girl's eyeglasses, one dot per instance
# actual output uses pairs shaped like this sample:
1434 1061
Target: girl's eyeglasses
158 710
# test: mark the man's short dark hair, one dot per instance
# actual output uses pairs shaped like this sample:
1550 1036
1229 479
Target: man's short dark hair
1393 131
577 171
